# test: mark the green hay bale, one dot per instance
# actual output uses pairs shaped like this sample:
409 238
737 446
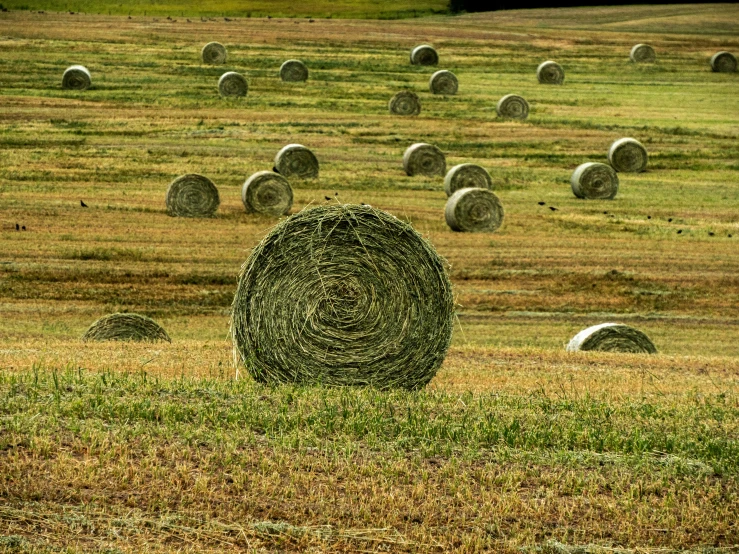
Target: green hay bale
267 193
424 55
192 195
293 71
443 82
213 53
550 73
343 295
612 337
594 181
628 155
76 77
232 84
512 106
465 176
473 210
642 53
424 159
723 62
295 160
405 102
128 327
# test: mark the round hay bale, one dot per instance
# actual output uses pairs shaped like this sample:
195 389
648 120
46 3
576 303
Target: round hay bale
512 106
192 195
293 71
594 181
424 159
296 160
642 53
443 82
126 327
424 55
232 84
612 337
473 210
465 176
343 295
213 53
550 73
267 193
405 102
628 155
76 77
723 62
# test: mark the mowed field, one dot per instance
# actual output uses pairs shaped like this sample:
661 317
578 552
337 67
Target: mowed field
516 445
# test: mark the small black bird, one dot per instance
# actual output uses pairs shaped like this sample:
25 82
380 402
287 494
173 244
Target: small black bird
729 236
710 233
605 213
189 21
336 194
23 228
82 203
553 208
679 231
311 21
542 203
226 19
129 17
649 217
669 220
327 197
17 227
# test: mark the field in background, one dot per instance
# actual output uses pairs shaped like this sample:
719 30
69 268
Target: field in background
516 443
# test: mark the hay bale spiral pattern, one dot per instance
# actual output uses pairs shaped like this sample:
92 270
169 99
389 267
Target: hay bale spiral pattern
473 210
405 102
295 160
293 71
76 77
192 195
628 155
343 295
267 193
550 73
594 181
612 337
642 53
443 82
424 55
213 53
424 159
232 84
464 176
723 62
119 326
512 106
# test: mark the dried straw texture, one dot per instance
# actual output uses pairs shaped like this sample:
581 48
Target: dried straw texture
550 73
628 155
126 327
465 176
214 53
512 106
343 295
723 62
443 82
642 53
295 160
293 71
424 159
474 210
192 195
612 337
594 181
76 77
424 55
267 193
405 102
232 84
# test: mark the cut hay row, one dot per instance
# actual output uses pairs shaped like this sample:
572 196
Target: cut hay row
76 77
424 159
628 155
126 327
550 73
642 53
343 295
473 210
594 181
293 71
465 176
405 102
612 337
512 106
267 193
213 53
192 195
232 84
443 82
295 160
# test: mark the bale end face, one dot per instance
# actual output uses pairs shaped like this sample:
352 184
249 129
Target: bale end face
465 176
723 62
424 55
642 53
612 337
424 159
443 82
267 193
628 155
550 73
594 181
295 160
293 71
405 102
213 53
76 77
512 106
192 195
233 85
126 327
474 210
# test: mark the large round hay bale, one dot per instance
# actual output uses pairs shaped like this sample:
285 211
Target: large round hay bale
293 71
550 73
232 84
473 210
443 82
76 77
192 195
512 106
465 176
612 337
343 295
642 53
295 160
424 55
119 326
267 193
594 181
424 159
628 155
723 62
405 102
213 53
